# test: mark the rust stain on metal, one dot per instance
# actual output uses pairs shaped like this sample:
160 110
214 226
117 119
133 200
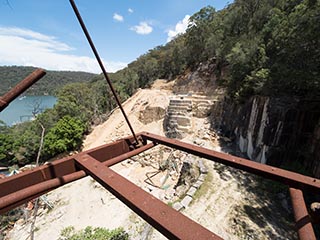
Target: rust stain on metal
21 87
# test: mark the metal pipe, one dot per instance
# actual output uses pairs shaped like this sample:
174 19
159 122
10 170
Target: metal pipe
21 87
76 11
301 216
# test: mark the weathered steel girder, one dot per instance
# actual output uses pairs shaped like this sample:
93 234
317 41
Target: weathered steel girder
21 87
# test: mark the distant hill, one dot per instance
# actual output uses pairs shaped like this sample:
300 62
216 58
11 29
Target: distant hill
49 84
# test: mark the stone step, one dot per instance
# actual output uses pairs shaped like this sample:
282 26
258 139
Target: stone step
179 107
179 117
174 101
183 110
173 113
183 129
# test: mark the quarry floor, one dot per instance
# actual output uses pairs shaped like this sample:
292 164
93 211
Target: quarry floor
230 203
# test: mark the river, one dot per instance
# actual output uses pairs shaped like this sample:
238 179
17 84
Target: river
20 110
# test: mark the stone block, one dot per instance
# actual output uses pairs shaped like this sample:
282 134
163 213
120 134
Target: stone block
186 201
177 206
202 177
203 168
197 184
191 191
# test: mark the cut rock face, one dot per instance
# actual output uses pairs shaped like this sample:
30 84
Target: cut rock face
151 114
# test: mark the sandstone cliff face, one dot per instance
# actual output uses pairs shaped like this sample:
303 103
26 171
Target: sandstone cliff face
273 130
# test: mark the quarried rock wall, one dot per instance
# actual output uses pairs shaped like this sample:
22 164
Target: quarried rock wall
275 131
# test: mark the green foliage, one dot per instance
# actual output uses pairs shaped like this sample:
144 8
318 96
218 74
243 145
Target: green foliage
90 233
76 100
6 148
65 135
26 142
197 33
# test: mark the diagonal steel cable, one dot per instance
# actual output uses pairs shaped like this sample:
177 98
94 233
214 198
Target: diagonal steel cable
76 11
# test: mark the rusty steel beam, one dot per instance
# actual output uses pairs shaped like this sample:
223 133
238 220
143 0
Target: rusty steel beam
302 218
37 175
165 219
60 167
111 150
23 187
15 199
21 87
291 179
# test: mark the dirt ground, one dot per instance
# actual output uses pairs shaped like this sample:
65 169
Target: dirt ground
225 203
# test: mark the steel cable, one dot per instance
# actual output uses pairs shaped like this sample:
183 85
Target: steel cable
76 11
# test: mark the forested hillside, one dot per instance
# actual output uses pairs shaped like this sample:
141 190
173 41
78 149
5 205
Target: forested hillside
49 84
264 47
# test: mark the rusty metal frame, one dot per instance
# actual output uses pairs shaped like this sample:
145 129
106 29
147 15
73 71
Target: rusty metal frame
19 189
23 187
21 87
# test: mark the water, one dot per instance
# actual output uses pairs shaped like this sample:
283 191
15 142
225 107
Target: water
20 110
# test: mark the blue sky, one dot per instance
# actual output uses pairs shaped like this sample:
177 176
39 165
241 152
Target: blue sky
45 33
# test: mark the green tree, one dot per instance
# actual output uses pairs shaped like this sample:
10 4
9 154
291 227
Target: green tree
26 142
6 148
65 136
76 100
197 32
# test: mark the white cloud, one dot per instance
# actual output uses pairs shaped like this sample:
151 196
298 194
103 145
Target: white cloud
24 47
180 27
143 28
118 17
130 10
